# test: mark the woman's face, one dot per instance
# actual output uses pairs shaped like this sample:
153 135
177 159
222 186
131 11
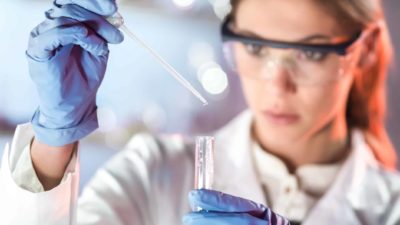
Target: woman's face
284 109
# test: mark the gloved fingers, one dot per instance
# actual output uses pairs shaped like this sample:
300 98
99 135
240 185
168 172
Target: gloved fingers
216 201
216 218
102 7
96 22
50 24
44 46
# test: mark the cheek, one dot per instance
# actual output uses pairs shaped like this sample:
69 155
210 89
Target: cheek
321 104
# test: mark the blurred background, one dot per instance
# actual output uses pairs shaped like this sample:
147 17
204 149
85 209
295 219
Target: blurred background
137 94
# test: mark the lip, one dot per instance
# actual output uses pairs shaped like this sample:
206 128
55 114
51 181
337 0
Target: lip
280 118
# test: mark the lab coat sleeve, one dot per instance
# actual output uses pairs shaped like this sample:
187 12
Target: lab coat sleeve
145 184
24 174
20 202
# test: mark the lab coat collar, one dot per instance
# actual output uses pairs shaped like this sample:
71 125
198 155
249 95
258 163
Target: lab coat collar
358 188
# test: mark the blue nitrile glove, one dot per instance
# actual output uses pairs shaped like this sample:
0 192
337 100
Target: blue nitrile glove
223 209
67 57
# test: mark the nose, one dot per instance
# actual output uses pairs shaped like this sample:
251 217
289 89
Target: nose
279 77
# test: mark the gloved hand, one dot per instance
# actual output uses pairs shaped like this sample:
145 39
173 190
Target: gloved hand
67 58
219 208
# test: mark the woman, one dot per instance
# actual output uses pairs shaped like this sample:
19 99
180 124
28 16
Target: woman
312 145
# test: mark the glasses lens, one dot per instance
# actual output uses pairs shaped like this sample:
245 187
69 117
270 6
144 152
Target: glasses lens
306 67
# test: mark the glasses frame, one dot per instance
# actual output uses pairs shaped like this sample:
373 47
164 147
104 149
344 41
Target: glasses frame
340 48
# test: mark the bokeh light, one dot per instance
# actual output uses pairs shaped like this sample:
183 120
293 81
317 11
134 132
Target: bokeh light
213 79
221 7
200 53
183 3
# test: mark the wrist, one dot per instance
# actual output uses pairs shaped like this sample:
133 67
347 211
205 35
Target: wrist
62 136
50 162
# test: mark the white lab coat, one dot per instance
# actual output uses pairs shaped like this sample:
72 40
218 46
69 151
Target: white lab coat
147 184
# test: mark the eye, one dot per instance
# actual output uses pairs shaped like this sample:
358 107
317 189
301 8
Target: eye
254 49
313 55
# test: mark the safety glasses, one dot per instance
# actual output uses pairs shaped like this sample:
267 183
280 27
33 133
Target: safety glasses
339 48
306 63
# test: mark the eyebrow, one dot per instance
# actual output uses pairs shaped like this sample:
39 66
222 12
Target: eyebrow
306 39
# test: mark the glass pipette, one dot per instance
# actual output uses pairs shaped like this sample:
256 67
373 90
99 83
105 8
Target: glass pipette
118 21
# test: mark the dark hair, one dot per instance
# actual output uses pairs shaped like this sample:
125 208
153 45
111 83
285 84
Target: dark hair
366 107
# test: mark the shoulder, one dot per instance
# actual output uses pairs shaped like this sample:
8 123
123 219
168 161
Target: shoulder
374 164
384 180
388 182
380 187
150 172
146 163
366 146
150 150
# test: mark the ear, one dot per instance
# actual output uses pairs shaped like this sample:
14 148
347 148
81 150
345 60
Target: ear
368 55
